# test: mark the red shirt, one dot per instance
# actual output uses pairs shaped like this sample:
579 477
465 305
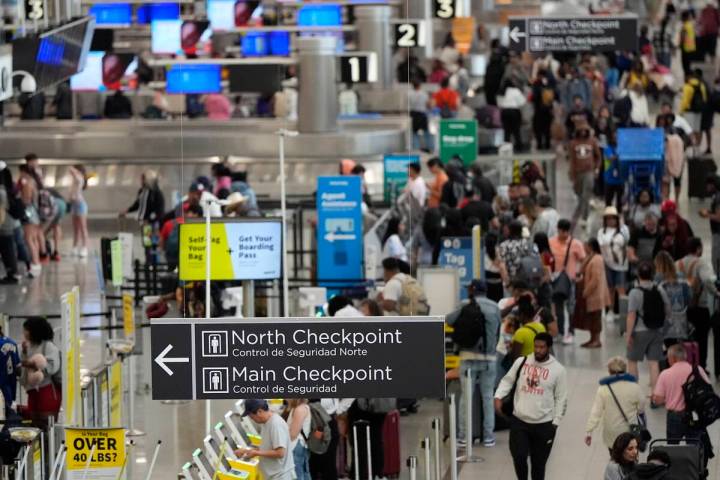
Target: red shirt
446 97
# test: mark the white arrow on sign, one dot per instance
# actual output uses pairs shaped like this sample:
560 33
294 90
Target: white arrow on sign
162 360
332 236
515 34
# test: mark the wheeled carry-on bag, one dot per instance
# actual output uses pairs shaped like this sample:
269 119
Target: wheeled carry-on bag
391 445
698 170
686 457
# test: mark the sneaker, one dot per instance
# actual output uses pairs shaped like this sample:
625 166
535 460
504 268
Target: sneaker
489 443
461 443
55 257
568 339
83 252
9 280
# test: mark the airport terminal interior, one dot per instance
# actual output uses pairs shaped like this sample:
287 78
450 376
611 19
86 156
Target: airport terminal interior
359 239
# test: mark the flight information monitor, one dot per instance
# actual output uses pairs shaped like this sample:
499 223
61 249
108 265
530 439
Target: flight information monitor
193 79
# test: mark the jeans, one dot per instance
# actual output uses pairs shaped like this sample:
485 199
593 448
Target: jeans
560 311
22 251
583 186
8 252
616 192
483 373
423 139
534 440
301 455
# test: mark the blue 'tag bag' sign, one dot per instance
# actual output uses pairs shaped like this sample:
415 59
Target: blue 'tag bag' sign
339 229
457 252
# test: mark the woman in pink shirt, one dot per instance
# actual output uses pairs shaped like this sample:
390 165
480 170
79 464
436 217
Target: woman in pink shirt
562 245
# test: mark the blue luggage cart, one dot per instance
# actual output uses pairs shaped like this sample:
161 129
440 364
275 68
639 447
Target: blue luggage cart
641 152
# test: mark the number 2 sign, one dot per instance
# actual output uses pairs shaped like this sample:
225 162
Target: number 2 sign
410 34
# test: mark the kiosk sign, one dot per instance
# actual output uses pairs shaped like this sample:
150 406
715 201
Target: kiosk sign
297 357
573 34
458 137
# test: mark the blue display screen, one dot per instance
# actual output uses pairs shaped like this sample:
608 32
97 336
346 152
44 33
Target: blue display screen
255 44
50 52
158 11
319 15
280 43
112 13
193 79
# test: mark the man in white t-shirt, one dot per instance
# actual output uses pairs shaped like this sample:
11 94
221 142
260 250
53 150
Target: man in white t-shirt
392 291
416 185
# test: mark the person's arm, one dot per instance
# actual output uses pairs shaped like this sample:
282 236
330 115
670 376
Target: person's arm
596 413
658 395
560 398
707 277
629 327
452 317
299 414
506 384
256 452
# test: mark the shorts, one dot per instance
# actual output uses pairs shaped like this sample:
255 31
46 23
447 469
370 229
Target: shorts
646 344
694 119
79 207
32 216
615 278
60 210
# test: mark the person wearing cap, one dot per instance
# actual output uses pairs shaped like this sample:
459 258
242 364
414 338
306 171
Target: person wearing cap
274 453
584 155
712 187
480 360
613 239
199 194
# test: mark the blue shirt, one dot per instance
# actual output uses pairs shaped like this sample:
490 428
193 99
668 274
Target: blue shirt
9 362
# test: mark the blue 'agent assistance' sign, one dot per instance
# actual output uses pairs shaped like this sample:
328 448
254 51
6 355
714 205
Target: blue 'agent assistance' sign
339 229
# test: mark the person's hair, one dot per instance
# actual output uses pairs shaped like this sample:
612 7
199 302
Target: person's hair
393 228
698 73
220 170
577 97
358 170
665 266
373 307
30 157
544 200
694 244
526 310
564 225
445 83
151 177
416 83
404 267
194 209
617 365
515 229
542 242
677 351
645 271
594 245
649 192
545 338
293 403
685 15
434 162
392 264
415 167
659 456
81 168
617 451
338 302
39 330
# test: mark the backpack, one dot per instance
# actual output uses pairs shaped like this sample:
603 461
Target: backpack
319 422
413 300
702 406
679 295
46 205
622 108
697 103
530 270
488 116
653 308
469 328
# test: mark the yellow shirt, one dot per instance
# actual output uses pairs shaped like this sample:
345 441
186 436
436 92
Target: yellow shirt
688 43
525 336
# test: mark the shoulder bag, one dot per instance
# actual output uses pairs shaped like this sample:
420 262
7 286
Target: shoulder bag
639 430
562 285
508 401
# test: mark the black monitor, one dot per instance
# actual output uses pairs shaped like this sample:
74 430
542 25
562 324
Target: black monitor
102 40
256 78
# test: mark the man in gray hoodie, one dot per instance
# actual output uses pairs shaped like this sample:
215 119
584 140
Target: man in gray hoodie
540 402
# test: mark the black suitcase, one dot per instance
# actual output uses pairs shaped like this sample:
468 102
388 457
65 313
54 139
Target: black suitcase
698 170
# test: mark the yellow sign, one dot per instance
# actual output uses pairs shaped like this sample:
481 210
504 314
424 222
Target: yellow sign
128 316
241 250
107 447
463 31
70 313
116 394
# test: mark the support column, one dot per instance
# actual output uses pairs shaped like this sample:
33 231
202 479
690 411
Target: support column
317 96
373 27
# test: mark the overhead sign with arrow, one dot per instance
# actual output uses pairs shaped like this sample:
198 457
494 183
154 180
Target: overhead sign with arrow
339 230
233 358
573 34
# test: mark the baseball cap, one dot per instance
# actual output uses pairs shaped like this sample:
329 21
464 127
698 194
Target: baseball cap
478 285
252 405
197 187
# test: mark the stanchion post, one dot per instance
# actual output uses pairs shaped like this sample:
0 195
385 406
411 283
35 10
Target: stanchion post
469 384
412 467
154 459
355 453
436 445
453 438
132 431
425 445
51 440
369 452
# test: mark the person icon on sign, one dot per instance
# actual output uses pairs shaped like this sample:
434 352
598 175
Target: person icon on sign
215 381
214 344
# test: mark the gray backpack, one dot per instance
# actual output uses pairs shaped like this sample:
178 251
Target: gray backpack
319 422
531 270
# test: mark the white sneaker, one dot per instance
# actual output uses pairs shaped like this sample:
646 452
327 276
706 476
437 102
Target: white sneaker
83 252
568 339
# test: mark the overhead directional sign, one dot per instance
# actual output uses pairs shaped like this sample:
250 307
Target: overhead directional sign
358 67
410 33
573 34
233 358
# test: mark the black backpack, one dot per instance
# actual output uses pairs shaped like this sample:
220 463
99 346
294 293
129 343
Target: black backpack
653 308
702 406
697 103
469 328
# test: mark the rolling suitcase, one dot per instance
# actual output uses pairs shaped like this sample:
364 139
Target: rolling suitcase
687 461
391 444
698 170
